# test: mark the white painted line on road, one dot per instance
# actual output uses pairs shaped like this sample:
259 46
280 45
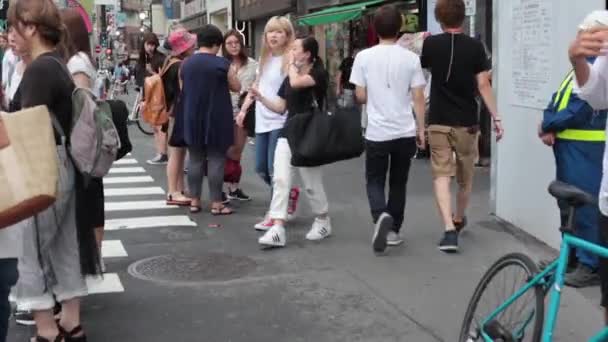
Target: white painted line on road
133 191
127 180
138 205
113 249
125 162
110 283
138 169
149 222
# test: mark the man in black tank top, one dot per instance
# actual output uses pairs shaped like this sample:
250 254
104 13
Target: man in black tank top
460 72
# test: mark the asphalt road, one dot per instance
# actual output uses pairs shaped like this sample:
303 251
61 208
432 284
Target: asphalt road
178 277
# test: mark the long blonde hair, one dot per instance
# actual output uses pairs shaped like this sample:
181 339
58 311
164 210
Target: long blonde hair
277 23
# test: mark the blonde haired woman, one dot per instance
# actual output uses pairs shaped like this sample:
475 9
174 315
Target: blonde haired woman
273 67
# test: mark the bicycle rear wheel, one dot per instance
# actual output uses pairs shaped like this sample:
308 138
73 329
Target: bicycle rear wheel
522 320
143 126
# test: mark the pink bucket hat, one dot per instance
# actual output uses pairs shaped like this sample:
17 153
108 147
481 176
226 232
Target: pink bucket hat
181 41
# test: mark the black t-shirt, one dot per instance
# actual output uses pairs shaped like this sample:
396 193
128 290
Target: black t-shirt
46 83
454 85
301 100
171 84
346 67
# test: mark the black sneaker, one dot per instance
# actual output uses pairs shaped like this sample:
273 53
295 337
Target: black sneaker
160 159
225 199
238 195
460 225
381 230
449 243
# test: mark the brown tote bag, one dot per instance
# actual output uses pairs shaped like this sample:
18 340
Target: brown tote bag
28 164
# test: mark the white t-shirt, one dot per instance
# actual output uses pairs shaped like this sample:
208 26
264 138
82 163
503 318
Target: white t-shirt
80 63
388 72
272 77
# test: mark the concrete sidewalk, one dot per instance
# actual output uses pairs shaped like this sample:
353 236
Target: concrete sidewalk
216 284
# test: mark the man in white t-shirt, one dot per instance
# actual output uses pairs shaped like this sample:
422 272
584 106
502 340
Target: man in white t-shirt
388 78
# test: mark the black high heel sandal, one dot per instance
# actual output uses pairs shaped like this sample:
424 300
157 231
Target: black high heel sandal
69 335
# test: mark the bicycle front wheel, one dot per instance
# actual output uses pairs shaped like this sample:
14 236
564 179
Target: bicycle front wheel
143 126
522 320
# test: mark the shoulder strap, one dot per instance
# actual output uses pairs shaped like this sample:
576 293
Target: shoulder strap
63 67
168 63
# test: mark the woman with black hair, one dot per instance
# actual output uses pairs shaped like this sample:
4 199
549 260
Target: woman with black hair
304 89
149 63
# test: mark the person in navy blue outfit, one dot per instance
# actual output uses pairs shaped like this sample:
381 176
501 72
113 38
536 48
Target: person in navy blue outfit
208 119
576 133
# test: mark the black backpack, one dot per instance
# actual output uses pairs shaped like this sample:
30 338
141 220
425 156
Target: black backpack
120 115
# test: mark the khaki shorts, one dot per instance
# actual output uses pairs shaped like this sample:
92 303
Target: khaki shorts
453 152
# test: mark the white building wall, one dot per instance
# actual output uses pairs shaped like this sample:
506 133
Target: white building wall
219 13
523 166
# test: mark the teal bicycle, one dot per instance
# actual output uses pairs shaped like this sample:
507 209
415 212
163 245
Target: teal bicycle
508 304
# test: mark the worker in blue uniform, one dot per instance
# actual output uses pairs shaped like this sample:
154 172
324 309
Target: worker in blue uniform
576 133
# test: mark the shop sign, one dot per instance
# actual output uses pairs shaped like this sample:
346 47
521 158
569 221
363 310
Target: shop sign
470 7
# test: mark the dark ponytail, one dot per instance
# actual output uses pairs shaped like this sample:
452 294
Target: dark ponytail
311 45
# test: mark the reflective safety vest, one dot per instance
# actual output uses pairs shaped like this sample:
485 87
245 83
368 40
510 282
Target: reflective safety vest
561 102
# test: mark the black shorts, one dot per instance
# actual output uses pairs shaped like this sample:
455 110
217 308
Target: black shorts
603 268
94 199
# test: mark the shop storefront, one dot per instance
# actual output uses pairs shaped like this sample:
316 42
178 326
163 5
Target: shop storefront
252 16
343 26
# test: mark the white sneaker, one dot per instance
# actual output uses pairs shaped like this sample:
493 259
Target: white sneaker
321 229
393 239
264 225
274 237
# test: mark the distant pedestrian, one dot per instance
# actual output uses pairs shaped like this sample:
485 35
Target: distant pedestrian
388 77
208 117
149 63
460 70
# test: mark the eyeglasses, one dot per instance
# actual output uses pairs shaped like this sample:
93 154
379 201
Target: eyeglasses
233 43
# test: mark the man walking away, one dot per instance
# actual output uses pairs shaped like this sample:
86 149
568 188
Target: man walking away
459 69
387 77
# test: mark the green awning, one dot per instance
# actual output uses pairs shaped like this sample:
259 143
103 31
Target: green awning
337 14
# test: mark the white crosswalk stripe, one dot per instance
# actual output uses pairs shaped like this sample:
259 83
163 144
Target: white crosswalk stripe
113 249
150 222
117 170
116 192
125 161
109 283
126 180
138 205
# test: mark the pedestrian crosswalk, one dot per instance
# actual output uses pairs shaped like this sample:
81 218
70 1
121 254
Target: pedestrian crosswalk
129 192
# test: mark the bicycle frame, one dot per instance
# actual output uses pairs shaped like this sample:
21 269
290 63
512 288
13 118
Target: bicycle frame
557 284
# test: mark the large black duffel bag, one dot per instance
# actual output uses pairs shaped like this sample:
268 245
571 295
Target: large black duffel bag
320 137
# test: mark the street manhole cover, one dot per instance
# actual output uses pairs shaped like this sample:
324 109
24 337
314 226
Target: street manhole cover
192 269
